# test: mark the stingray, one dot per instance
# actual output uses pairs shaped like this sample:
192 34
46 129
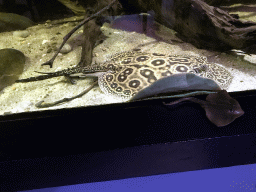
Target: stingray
177 85
220 108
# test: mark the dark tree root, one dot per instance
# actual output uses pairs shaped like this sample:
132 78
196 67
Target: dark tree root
42 104
50 62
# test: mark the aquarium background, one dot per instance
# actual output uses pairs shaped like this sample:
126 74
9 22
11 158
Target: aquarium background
51 21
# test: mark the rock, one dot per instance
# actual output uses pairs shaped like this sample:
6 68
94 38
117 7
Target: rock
12 63
23 34
13 22
66 49
251 58
45 41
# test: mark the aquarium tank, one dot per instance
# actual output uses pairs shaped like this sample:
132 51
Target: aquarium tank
78 53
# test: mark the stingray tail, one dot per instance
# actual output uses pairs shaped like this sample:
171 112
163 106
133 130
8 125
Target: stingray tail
65 72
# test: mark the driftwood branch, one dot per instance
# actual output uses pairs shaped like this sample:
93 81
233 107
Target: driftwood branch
228 2
210 27
197 22
91 30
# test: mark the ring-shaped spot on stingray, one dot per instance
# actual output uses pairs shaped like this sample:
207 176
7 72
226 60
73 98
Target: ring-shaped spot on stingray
109 78
158 62
134 83
221 80
149 74
127 92
119 89
110 66
210 76
174 60
216 72
167 73
224 77
113 85
181 69
142 58
126 61
128 71
123 76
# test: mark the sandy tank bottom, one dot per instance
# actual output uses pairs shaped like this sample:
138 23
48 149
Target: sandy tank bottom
43 40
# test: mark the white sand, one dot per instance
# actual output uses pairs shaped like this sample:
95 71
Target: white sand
22 97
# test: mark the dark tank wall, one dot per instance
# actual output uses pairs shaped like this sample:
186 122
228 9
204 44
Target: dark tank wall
37 11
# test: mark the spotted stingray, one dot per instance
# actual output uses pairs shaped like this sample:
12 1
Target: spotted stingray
127 73
139 70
